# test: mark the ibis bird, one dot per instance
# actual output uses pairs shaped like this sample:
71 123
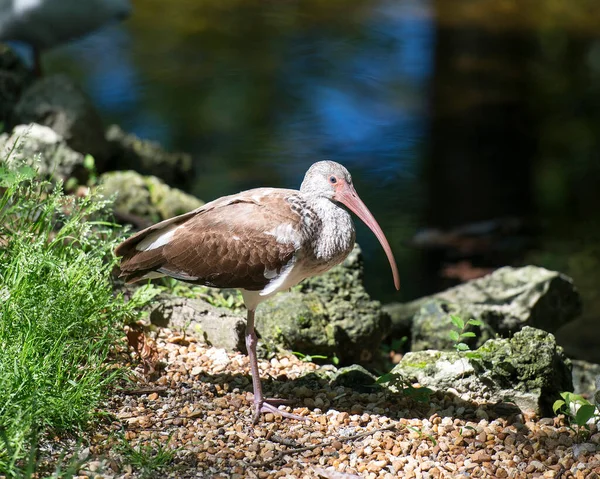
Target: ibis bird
43 24
262 241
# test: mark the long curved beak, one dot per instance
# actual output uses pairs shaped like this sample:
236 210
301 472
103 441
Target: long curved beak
348 196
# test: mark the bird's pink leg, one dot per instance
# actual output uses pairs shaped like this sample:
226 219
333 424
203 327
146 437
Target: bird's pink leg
261 405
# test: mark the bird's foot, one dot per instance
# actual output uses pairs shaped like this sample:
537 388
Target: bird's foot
262 406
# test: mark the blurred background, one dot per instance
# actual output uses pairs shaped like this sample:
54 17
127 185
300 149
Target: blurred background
471 128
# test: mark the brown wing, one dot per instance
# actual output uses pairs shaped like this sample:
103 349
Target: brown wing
229 243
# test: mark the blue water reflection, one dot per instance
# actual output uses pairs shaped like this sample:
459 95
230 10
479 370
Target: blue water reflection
355 92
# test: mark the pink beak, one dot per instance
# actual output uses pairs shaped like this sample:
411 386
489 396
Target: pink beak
348 196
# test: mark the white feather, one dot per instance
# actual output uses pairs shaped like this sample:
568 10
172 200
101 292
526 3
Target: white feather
177 274
158 238
285 233
290 276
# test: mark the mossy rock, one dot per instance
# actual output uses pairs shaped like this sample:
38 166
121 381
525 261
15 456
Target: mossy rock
145 197
330 314
529 369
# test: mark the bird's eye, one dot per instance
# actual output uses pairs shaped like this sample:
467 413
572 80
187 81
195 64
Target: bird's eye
332 180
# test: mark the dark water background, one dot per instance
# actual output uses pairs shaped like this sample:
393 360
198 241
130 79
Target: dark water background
448 113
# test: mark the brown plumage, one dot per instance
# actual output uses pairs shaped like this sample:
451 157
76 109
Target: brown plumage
261 241
221 244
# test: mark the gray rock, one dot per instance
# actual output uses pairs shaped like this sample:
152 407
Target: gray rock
42 148
327 314
57 102
145 197
216 326
584 377
128 152
505 301
529 369
14 78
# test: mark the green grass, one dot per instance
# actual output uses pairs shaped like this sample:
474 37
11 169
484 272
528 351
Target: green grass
59 316
148 460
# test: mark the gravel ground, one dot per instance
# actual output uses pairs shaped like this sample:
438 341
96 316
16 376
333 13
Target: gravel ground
200 406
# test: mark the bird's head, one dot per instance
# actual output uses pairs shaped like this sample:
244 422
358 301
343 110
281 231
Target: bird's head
328 179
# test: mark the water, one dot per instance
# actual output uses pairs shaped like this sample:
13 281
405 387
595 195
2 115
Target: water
447 113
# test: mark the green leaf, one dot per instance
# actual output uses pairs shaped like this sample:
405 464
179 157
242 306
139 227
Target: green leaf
558 405
468 334
420 394
475 322
386 378
457 321
570 398
88 162
566 395
462 347
584 414
454 336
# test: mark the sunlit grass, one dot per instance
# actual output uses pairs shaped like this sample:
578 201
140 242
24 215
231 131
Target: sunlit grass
149 459
59 317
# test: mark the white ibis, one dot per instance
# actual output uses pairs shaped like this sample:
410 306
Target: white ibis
261 241
44 24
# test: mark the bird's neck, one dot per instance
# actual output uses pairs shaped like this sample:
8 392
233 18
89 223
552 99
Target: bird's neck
335 236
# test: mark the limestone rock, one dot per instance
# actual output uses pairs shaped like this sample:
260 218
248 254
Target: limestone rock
585 376
327 314
42 148
506 300
216 326
529 369
145 197
57 102
128 152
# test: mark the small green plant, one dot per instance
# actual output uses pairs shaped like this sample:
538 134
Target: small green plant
421 434
89 164
459 334
311 357
308 358
420 394
149 460
578 411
